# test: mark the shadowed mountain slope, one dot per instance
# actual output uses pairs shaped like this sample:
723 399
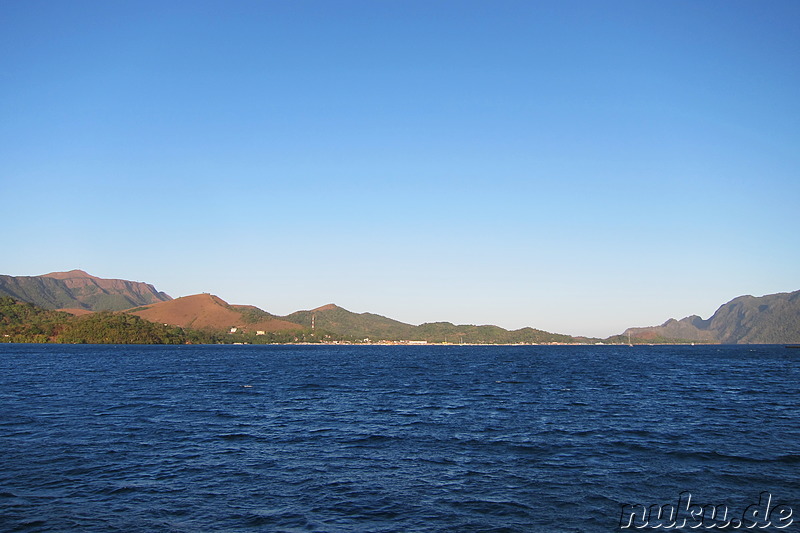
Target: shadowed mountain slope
770 319
78 290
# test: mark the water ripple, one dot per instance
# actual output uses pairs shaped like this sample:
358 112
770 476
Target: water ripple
517 439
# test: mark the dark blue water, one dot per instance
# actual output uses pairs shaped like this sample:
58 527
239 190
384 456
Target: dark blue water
364 438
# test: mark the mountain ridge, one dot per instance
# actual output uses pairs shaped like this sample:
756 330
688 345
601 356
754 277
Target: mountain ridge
768 319
76 289
745 319
69 274
209 312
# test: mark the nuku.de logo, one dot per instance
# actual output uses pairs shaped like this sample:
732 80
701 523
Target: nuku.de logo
685 514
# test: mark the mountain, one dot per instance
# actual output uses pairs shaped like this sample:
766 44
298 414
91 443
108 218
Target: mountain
334 319
773 318
26 322
447 332
770 319
78 290
209 312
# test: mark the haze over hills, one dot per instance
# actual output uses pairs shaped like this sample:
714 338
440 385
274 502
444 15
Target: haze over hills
770 319
78 290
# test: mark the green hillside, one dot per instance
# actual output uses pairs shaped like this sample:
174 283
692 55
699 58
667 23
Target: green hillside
447 332
48 293
355 326
359 326
25 322
79 290
108 328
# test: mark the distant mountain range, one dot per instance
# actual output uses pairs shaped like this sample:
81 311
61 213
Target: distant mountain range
371 326
78 290
208 312
747 319
771 319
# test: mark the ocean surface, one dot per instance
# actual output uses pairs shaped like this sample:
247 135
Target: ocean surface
389 438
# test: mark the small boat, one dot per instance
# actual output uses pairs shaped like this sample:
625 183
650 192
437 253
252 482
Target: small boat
793 345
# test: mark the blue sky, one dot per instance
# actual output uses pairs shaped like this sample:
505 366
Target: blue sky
575 166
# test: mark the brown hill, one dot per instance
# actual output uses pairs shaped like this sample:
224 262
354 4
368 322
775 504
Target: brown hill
71 274
209 312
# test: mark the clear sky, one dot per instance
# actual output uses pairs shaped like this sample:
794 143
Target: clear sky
574 166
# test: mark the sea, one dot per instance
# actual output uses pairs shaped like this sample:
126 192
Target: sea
444 438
